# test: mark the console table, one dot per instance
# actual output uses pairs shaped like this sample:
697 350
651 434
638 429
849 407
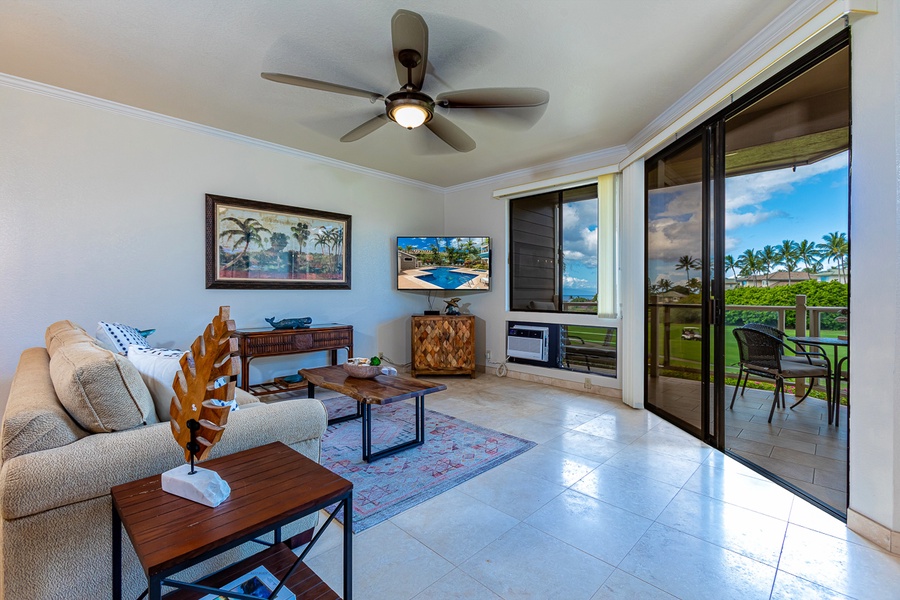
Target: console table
265 341
271 486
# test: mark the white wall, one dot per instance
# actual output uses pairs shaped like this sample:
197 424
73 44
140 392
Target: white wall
103 219
875 281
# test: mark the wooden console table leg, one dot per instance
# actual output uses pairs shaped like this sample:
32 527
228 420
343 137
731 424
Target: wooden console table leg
245 372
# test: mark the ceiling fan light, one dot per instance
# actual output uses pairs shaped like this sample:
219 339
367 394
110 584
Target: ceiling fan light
410 115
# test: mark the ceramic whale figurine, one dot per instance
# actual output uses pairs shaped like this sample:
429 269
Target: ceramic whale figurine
290 323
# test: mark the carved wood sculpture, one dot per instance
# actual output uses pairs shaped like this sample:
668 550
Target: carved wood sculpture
212 355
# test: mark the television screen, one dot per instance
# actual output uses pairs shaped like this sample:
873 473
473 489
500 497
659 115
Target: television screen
443 263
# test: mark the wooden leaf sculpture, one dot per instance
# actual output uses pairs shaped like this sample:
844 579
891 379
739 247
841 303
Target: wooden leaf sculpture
213 355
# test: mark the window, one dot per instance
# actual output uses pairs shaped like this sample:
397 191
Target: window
553 260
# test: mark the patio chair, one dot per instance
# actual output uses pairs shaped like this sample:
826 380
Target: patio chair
761 355
817 357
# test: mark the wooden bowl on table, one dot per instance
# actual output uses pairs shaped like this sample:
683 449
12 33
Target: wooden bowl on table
361 371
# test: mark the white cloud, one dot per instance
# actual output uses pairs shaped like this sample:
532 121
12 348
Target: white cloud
675 226
576 283
750 192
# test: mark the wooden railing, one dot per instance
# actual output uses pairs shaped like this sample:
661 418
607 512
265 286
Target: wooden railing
803 313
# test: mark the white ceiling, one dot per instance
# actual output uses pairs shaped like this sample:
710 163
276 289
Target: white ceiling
611 67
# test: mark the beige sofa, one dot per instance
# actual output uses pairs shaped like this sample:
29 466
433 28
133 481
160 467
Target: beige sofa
55 509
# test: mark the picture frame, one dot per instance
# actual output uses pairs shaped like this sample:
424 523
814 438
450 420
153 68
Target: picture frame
261 245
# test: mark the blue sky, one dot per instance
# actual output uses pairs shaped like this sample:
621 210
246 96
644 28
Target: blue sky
580 248
761 209
766 208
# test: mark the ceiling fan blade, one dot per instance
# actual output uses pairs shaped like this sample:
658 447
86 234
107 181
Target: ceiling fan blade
365 129
494 98
315 84
409 32
454 136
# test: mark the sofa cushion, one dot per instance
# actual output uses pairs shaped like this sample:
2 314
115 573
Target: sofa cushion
64 332
34 419
101 390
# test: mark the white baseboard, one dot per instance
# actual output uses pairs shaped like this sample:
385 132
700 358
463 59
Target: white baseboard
876 533
603 392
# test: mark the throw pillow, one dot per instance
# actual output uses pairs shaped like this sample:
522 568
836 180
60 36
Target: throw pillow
158 368
117 337
101 390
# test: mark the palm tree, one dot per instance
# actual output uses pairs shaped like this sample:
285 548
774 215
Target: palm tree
749 263
768 258
435 254
336 237
664 285
686 263
836 249
810 255
789 256
300 232
730 266
245 231
320 239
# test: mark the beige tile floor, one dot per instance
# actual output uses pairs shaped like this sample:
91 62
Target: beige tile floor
611 503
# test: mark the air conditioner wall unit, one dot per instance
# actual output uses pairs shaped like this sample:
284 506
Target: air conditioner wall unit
528 341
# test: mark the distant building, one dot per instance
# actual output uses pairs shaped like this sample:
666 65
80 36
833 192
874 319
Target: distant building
832 275
774 279
406 261
670 297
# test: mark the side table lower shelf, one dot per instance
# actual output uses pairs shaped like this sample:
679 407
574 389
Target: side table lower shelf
277 386
304 583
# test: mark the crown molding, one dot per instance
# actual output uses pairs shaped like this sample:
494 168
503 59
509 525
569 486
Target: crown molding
793 17
582 162
19 83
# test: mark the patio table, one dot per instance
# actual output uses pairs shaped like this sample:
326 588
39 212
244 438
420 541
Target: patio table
835 376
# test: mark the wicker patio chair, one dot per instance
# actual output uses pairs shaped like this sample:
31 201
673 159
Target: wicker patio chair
761 355
816 357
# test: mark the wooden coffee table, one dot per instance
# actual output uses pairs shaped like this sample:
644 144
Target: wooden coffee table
271 486
383 389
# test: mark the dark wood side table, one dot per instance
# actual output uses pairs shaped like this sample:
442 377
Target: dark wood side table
265 341
383 389
271 486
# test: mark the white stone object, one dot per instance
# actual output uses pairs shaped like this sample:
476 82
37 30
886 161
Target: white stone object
204 486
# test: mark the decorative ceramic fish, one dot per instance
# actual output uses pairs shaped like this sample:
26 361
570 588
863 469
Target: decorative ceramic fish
300 323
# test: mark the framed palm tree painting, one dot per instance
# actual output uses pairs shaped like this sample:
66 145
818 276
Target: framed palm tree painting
259 245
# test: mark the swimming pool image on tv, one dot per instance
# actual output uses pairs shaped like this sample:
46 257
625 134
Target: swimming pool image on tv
446 277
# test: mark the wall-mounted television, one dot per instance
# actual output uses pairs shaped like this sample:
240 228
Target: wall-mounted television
443 263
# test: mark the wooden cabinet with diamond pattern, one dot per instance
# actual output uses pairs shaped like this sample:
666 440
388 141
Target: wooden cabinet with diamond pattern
443 345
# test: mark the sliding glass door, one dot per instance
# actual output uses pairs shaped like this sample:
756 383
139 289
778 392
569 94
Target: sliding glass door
677 266
746 225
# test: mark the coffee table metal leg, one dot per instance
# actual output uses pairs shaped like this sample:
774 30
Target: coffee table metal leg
419 424
310 389
366 431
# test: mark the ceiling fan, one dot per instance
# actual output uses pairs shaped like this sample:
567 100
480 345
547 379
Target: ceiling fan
410 107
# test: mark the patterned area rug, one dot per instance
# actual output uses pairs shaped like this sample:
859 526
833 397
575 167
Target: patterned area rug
454 451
